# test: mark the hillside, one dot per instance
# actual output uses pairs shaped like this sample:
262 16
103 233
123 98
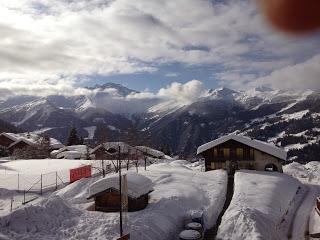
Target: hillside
287 118
7 127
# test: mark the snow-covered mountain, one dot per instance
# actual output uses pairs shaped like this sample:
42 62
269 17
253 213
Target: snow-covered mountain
290 119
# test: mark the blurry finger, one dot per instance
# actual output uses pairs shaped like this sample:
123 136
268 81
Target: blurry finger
293 15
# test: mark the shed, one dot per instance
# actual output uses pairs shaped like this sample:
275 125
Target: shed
106 192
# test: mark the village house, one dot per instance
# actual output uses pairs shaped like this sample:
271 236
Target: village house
72 152
105 150
150 152
106 192
233 152
13 141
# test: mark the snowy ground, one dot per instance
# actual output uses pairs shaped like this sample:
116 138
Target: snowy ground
306 219
24 174
179 190
259 206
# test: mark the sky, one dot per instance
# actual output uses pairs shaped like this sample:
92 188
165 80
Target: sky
61 46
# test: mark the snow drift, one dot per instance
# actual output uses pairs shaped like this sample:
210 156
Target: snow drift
178 191
259 204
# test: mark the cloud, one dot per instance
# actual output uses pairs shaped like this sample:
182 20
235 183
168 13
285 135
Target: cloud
188 92
56 39
305 75
172 75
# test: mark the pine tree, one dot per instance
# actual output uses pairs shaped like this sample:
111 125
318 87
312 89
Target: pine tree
73 138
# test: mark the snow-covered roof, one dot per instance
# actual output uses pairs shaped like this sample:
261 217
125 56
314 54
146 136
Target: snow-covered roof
124 147
150 151
30 139
138 185
70 155
78 148
259 145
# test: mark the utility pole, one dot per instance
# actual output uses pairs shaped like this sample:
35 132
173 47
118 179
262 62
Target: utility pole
120 190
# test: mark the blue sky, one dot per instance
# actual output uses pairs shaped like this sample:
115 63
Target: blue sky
58 46
166 75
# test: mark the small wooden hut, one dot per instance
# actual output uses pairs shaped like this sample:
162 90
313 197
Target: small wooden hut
106 192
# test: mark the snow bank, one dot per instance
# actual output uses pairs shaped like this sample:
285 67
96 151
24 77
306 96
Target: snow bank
314 223
138 184
41 166
178 191
40 221
259 203
309 172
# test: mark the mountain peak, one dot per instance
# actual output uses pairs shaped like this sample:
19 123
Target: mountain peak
122 90
223 93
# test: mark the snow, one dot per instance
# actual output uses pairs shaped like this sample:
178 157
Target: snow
40 166
314 225
306 220
91 130
113 128
69 155
30 138
138 185
262 146
296 115
178 191
151 151
190 234
309 172
71 152
124 147
25 174
259 204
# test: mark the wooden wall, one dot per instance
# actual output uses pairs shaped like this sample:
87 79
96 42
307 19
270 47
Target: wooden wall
110 202
233 155
5 142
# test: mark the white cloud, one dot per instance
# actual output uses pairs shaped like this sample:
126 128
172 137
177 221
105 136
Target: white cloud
188 92
305 75
58 39
172 75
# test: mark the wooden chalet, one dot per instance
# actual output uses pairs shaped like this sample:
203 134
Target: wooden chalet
233 152
101 151
13 141
106 193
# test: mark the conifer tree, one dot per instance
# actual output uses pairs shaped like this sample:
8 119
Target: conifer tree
73 138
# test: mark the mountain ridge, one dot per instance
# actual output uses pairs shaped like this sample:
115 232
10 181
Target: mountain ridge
264 113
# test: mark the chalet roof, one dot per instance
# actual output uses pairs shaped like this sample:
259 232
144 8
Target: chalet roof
138 185
259 145
22 140
78 148
124 147
150 151
29 138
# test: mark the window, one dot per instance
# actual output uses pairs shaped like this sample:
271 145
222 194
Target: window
220 152
226 153
251 153
239 153
215 153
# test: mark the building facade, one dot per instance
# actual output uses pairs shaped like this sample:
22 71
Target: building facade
234 152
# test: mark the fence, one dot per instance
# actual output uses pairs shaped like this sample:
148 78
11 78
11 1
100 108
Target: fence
29 186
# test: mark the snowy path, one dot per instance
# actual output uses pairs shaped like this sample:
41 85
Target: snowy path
300 227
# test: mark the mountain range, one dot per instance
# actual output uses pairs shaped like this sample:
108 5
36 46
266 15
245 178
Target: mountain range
109 112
